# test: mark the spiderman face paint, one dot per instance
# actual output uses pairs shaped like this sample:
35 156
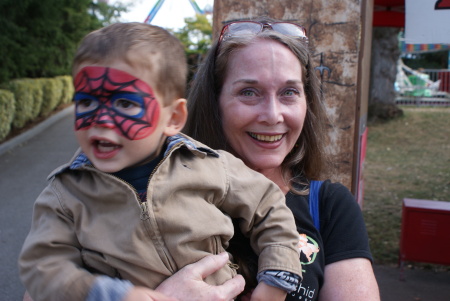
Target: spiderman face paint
114 99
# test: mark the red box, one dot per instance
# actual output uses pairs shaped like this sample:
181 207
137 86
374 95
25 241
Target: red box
425 235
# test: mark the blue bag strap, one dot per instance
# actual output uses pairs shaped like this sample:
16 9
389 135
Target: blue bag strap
314 188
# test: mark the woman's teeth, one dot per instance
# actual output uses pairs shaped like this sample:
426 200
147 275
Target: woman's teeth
266 138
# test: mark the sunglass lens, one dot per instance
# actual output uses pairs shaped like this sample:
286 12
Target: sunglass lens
289 29
243 28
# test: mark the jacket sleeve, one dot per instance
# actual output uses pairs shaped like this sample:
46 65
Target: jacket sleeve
260 206
50 263
109 289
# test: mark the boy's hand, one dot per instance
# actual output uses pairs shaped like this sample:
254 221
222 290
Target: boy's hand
139 293
264 292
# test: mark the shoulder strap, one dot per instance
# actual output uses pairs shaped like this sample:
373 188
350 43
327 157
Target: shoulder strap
314 189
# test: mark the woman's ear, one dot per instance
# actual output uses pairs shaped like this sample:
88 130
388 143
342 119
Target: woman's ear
178 117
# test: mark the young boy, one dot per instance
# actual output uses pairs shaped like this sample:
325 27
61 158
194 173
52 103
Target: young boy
139 201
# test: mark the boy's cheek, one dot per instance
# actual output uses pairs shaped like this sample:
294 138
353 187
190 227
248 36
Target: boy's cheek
82 139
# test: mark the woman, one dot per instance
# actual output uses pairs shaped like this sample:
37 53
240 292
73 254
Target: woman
257 96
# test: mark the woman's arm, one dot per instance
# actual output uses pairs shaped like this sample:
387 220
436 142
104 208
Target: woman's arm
349 280
137 293
188 284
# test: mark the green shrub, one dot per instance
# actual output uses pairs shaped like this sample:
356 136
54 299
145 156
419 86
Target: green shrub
21 88
52 89
7 110
67 90
37 93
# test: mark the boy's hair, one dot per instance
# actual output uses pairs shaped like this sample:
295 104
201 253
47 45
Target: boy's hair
140 46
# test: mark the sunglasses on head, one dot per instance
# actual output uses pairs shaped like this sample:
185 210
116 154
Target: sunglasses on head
240 28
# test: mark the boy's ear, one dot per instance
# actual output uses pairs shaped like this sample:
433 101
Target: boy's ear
178 118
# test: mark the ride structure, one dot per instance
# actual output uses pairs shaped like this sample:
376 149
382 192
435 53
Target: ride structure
159 3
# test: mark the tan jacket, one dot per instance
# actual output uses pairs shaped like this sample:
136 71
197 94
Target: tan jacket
88 222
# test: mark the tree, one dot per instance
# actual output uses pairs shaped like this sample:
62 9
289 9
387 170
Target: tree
385 54
108 14
39 37
196 37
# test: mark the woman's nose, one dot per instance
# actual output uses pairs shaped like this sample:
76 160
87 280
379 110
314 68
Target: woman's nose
271 111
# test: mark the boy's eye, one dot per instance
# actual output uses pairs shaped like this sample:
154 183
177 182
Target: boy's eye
85 103
124 103
129 105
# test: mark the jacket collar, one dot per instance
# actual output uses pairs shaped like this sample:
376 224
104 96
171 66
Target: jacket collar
80 160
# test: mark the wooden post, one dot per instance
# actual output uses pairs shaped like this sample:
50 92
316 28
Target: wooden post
340 38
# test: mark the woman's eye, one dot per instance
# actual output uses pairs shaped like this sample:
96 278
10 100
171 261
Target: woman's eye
291 92
248 93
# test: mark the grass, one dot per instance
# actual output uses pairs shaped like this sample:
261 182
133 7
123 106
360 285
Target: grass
408 157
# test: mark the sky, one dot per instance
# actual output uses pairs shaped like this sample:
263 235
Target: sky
170 15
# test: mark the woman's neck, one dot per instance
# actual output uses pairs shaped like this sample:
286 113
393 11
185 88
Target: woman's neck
277 177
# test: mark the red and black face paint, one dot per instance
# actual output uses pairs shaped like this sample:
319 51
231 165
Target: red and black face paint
114 99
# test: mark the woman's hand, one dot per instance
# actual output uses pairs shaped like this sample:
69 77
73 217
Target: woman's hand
139 293
188 284
27 297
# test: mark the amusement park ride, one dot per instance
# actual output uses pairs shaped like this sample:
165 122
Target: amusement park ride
159 3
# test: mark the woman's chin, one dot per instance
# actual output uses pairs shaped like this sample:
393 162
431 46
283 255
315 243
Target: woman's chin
265 164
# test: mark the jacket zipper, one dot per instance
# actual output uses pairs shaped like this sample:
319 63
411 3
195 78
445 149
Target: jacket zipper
144 211
144 205
145 215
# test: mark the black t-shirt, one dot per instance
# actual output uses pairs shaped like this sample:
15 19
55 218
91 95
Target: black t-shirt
342 235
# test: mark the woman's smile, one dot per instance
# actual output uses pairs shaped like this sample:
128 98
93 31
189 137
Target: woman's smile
266 138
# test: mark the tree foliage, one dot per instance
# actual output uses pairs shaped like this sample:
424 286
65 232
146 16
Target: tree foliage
196 37
39 38
107 14
429 60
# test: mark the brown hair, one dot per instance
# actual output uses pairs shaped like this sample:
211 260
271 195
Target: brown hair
140 46
307 160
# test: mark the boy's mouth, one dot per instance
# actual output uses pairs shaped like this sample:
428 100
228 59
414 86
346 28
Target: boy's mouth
104 146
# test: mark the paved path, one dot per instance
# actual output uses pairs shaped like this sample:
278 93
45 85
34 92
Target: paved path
24 166
25 163
418 284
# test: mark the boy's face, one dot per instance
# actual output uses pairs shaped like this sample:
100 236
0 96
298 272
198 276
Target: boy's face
119 119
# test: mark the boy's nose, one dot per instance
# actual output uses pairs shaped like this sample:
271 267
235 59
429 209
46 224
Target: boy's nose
104 119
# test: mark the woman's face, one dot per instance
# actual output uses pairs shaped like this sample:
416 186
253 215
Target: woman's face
263 104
